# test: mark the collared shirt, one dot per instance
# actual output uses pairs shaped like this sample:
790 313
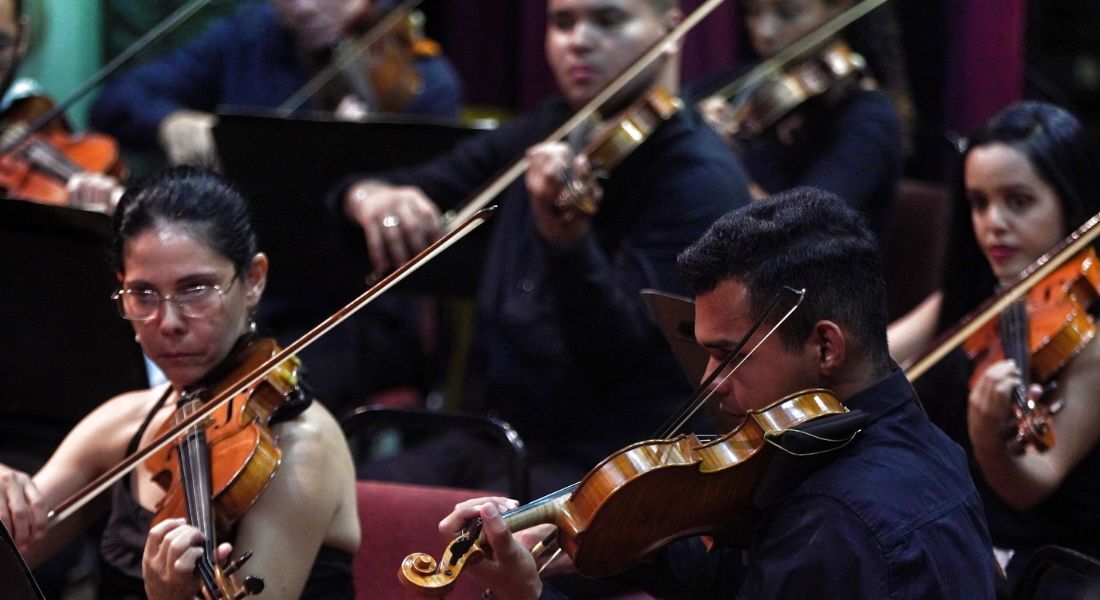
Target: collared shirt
246 61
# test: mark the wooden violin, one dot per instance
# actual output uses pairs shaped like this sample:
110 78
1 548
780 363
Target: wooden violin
829 71
626 508
39 168
815 66
219 468
374 62
1041 332
615 141
1040 319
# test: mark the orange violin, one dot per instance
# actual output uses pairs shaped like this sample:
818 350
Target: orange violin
39 168
1041 332
219 468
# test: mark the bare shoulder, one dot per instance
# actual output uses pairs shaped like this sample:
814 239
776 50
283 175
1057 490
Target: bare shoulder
107 430
314 439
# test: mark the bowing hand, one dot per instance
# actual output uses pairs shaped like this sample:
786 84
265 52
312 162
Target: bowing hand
398 221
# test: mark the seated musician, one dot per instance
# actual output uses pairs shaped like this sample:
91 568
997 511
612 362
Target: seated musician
258 58
189 278
566 350
891 514
851 140
85 190
1029 178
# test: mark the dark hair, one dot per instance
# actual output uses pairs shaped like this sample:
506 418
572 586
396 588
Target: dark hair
196 199
800 238
1061 152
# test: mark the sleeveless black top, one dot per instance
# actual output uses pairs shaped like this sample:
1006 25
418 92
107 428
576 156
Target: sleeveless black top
128 525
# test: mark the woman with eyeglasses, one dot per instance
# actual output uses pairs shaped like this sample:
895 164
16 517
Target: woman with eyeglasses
190 277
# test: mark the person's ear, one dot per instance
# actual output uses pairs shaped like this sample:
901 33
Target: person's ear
255 280
829 346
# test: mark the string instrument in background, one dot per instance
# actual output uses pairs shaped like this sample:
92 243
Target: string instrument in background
819 65
614 142
1040 320
373 62
38 168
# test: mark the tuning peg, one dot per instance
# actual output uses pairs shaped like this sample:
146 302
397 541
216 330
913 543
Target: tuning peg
252 585
234 565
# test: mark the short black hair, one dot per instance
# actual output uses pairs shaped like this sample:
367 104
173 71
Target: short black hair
196 199
801 238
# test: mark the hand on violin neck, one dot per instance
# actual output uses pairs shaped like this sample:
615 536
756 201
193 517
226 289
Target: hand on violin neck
508 568
719 114
992 404
558 185
94 191
398 221
168 562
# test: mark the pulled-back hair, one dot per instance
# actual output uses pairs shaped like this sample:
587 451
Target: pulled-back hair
800 238
1060 150
195 199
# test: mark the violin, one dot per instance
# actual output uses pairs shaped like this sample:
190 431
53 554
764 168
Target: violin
830 71
1067 283
616 141
39 168
1041 332
623 509
806 69
219 468
375 61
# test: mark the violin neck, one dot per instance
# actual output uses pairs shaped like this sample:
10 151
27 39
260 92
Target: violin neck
1015 340
543 510
194 459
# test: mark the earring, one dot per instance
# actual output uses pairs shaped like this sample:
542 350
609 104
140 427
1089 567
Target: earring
137 338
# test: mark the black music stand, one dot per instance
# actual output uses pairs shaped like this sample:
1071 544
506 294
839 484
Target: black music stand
15 577
286 167
63 347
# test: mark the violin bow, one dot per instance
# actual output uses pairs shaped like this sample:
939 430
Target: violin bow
800 47
82 496
161 29
1028 278
343 59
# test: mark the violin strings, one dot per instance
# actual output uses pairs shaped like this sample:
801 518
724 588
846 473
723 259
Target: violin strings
196 482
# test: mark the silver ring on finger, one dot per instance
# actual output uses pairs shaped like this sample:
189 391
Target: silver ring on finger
390 221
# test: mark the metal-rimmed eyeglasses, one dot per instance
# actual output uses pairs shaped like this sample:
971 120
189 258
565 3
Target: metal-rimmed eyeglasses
194 302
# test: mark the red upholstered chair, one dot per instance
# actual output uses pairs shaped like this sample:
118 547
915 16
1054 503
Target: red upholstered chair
399 519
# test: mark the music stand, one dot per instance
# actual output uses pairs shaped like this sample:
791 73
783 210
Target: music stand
63 347
15 578
286 168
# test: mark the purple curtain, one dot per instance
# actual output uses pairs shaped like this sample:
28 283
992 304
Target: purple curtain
498 49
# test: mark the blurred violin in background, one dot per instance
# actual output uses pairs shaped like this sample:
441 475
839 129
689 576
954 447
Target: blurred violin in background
41 167
375 60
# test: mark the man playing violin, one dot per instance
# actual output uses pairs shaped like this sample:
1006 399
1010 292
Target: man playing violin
257 58
892 513
190 277
565 343
85 190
